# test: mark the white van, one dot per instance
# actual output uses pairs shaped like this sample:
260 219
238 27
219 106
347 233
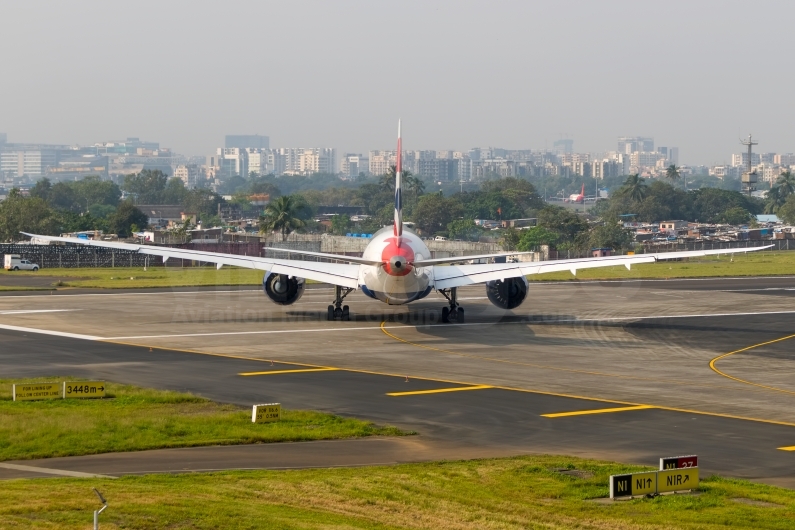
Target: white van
13 262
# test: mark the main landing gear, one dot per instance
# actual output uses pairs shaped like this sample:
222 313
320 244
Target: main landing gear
337 310
454 311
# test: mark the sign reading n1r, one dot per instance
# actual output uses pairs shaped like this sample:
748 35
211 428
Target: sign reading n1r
84 389
34 391
634 484
677 479
266 412
678 462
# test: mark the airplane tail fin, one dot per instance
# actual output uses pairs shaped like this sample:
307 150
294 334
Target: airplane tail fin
398 187
582 192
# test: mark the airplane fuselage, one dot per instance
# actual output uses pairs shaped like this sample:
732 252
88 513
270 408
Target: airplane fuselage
397 281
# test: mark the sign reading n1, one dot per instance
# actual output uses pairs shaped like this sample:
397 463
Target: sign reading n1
34 391
266 412
84 389
633 484
678 462
677 479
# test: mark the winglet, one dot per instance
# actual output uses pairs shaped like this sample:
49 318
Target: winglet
398 186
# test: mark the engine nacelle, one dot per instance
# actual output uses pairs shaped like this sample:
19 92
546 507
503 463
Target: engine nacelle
283 289
509 293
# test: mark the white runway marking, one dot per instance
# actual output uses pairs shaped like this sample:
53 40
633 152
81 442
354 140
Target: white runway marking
49 471
50 332
26 311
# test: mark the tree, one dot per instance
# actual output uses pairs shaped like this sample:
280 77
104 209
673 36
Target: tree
567 224
534 237
610 235
126 216
147 186
28 214
736 215
434 212
465 229
286 214
778 194
341 224
510 239
202 202
787 210
174 192
634 188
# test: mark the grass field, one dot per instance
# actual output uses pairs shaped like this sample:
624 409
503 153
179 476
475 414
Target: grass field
137 418
513 493
752 264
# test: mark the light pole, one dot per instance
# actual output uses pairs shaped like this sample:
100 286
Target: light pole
97 512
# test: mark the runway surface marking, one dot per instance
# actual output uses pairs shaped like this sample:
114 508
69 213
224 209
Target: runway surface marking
439 390
724 374
401 376
596 411
790 448
50 332
302 370
423 326
49 471
26 311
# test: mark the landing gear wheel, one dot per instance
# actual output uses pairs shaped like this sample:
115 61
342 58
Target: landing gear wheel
338 313
446 315
331 312
460 316
346 313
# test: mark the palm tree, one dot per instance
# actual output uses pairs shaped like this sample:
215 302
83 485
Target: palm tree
285 214
387 180
777 196
414 185
673 174
634 188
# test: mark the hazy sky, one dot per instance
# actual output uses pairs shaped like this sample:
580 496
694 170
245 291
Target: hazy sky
519 74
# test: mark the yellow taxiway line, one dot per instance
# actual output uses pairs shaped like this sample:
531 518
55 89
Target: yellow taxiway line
724 374
790 448
439 390
299 371
596 411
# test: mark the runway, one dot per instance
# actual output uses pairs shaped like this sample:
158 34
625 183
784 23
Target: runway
614 370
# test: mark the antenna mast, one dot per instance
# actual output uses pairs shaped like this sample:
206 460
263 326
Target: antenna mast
749 176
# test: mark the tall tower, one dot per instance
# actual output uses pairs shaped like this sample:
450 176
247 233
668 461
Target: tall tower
749 176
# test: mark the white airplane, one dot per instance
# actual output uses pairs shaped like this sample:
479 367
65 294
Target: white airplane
395 268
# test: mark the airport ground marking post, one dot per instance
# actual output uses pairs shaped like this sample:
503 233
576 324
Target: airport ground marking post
671 480
633 484
678 462
266 412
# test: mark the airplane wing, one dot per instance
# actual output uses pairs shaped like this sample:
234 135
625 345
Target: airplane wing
339 257
461 275
343 274
421 263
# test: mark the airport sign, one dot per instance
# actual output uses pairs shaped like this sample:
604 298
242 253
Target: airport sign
266 412
633 484
671 480
678 462
35 391
83 389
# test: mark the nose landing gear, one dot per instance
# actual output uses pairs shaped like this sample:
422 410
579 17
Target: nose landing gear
337 310
454 311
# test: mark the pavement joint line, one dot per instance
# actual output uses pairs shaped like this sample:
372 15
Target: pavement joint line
596 411
49 471
747 348
790 448
439 390
298 371
497 387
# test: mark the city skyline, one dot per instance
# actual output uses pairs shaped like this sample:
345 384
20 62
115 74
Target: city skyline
459 74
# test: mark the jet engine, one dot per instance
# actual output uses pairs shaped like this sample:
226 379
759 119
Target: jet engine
508 293
283 289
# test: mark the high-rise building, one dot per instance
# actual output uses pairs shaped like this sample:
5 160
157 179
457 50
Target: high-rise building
190 174
231 161
787 159
257 161
632 144
741 160
640 159
354 164
23 162
247 141
381 161
563 146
